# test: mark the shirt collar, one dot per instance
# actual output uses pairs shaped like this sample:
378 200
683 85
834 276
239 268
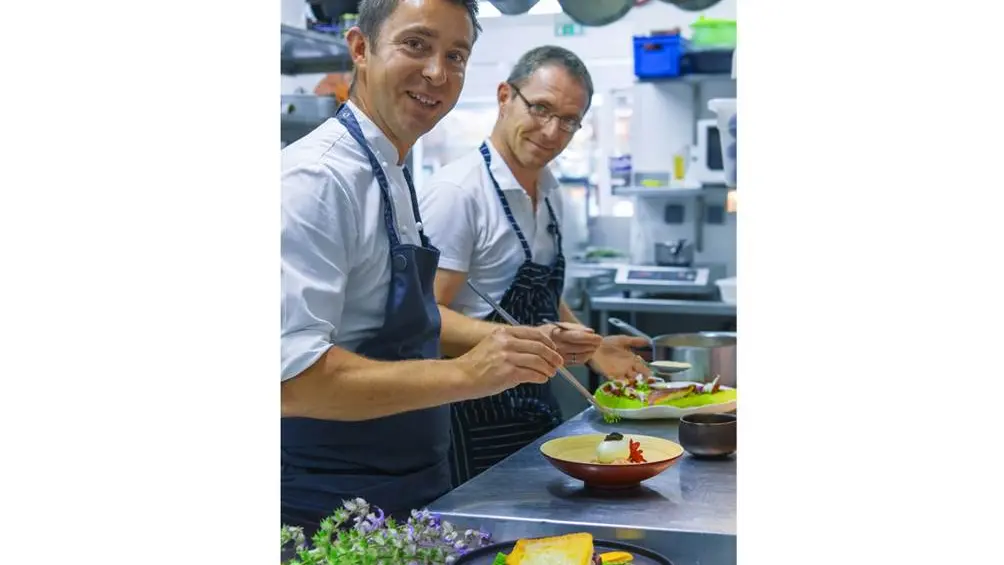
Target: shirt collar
546 182
382 147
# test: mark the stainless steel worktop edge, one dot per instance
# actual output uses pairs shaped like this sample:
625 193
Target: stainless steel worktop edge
687 513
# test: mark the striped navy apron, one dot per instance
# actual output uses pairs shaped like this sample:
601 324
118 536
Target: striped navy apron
487 430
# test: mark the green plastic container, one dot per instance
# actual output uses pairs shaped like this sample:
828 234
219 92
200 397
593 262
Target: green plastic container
709 33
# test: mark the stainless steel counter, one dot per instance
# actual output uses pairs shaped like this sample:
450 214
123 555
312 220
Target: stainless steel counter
688 513
661 306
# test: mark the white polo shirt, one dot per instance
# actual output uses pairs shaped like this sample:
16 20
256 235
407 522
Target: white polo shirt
335 250
464 218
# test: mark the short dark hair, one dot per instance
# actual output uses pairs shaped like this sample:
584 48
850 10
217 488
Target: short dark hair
373 13
552 55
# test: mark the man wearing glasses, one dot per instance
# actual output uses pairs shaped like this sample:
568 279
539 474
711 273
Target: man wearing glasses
495 215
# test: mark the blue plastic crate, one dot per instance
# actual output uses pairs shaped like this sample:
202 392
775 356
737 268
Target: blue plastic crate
658 56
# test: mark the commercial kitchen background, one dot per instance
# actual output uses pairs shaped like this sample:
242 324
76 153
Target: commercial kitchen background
139 232
650 121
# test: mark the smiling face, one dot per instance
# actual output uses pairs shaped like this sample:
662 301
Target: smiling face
531 114
411 73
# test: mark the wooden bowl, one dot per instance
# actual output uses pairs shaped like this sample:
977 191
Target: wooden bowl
575 456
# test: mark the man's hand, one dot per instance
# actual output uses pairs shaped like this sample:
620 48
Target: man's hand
510 356
576 343
615 360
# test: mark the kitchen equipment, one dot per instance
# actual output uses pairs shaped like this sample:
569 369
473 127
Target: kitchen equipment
575 456
563 371
710 354
697 281
708 435
706 163
674 253
727 288
713 33
640 556
725 109
581 283
658 55
692 5
707 61
308 106
513 7
596 12
330 11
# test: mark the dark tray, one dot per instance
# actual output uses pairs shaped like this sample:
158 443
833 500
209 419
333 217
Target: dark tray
486 555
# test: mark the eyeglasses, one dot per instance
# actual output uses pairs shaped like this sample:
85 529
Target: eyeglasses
544 114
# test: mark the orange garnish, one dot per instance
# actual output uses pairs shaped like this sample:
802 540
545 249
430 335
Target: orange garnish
637 455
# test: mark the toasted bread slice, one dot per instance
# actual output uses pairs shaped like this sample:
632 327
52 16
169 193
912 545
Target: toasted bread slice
571 549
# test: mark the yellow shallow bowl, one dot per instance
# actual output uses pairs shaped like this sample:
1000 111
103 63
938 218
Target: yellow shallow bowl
575 456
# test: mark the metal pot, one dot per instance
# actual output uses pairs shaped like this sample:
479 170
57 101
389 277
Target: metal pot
596 12
692 5
675 253
513 7
709 354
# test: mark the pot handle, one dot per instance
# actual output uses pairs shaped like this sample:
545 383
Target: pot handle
621 324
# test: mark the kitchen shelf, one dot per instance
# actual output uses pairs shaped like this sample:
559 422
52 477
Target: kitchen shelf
718 192
690 79
682 192
312 52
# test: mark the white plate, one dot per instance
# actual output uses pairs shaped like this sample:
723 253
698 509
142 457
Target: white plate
672 412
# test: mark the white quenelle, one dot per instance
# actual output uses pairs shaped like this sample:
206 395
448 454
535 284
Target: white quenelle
614 447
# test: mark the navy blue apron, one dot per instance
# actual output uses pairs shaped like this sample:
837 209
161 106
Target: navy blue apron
399 462
487 430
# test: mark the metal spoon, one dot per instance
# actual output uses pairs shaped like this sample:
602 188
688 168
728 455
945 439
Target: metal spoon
669 367
563 371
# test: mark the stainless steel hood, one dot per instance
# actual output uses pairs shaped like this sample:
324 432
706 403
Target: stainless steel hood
307 51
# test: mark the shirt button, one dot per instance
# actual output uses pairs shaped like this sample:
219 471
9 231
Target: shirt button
418 226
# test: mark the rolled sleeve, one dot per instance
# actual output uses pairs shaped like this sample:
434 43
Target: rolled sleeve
318 237
449 215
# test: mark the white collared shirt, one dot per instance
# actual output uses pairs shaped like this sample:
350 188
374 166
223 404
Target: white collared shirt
464 218
335 249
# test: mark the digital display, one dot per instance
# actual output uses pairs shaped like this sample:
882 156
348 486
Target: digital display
688 275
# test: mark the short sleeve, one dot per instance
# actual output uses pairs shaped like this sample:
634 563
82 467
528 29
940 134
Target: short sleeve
449 216
319 230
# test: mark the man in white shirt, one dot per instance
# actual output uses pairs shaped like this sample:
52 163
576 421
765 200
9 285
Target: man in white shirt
365 393
495 215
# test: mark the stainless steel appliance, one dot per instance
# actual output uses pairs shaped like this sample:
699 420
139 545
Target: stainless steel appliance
696 281
301 113
674 253
581 282
710 354
308 106
706 164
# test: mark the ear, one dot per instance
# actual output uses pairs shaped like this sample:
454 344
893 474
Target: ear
502 94
357 47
